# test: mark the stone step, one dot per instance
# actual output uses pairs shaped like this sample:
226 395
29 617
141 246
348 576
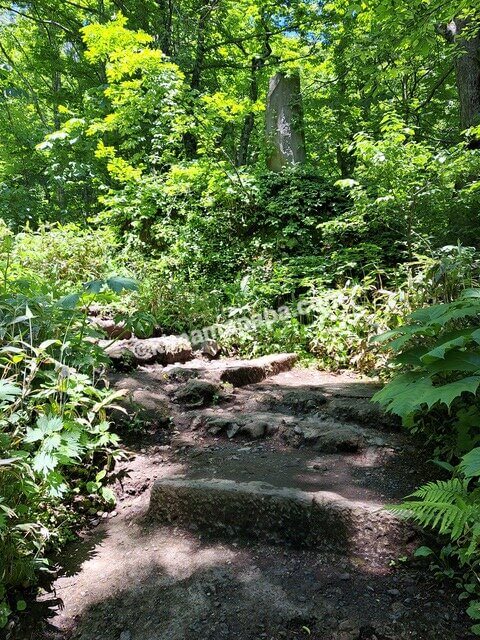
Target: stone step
321 520
238 373
164 350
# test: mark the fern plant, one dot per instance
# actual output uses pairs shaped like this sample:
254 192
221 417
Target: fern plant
445 505
436 391
452 509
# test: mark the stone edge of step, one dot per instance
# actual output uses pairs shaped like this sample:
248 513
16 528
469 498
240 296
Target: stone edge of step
275 514
246 372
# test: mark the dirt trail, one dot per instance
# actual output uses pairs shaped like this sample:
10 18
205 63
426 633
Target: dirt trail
192 567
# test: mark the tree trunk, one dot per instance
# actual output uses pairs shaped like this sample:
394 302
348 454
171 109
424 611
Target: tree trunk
165 38
258 62
467 69
207 6
249 121
284 122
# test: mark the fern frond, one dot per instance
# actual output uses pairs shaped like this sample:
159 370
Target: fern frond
443 491
445 505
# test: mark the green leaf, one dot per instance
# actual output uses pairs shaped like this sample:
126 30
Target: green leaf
474 610
92 487
21 605
48 343
423 552
470 293
94 286
444 465
44 462
447 393
45 426
119 283
70 301
57 486
108 495
465 361
440 314
404 394
9 391
440 351
470 464
411 356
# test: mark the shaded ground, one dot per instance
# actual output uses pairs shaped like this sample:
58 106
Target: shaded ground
132 579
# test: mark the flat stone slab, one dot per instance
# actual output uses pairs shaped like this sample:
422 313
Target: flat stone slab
244 372
238 373
256 509
165 350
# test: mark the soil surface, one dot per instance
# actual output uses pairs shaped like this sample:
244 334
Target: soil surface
134 578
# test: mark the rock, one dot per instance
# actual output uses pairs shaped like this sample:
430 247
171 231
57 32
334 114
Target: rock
196 423
233 429
258 510
347 625
246 372
217 425
299 401
252 425
363 411
111 328
208 348
254 429
165 350
143 405
329 436
341 438
243 374
197 393
271 428
181 374
284 122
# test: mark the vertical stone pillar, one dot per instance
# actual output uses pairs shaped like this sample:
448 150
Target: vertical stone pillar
284 122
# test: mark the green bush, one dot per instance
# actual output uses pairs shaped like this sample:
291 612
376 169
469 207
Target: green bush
63 256
451 509
56 446
436 394
439 350
407 194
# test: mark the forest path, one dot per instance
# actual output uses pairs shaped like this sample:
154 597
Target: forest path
252 511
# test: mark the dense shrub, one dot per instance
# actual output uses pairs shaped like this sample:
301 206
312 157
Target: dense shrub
62 256
408 195
437 396
56 446
437 393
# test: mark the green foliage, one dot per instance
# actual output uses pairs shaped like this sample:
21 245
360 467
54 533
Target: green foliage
408 193
451 508
56 446
61 256
440 348
133 143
